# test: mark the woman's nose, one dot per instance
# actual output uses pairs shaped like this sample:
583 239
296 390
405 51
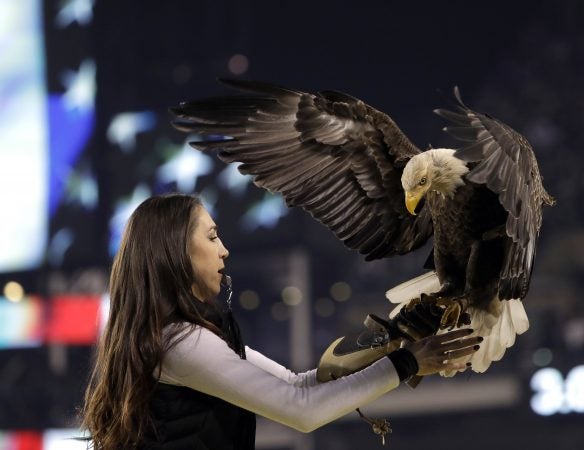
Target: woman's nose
224 253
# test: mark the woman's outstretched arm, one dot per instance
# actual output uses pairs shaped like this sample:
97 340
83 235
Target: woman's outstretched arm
204 362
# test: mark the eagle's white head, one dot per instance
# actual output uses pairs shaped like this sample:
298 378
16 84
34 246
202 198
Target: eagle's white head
433 170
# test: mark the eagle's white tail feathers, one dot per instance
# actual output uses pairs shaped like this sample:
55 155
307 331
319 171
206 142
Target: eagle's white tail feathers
518 316
498 327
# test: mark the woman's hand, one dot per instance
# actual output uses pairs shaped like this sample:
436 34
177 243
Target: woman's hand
441 352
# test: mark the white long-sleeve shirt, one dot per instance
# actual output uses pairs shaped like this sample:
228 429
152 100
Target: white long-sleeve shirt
204 362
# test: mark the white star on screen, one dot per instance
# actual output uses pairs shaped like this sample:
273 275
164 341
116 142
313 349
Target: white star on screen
265 213
80 11
122 212
60 243
82 189
209 198
124 127
231 179
80 87
185 168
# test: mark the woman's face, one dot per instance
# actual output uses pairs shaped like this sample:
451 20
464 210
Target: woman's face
207 254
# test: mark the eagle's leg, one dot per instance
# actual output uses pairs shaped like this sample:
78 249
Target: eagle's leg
454 315
448 289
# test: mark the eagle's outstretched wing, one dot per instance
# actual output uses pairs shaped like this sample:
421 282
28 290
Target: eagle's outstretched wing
504 161
331 154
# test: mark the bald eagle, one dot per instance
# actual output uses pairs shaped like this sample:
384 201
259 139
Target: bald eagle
355 171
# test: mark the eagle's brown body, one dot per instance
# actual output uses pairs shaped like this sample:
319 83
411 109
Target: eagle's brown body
463 258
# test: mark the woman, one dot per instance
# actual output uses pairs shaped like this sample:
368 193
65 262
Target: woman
171 372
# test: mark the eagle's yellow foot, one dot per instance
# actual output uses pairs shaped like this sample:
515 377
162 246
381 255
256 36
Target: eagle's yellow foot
454 315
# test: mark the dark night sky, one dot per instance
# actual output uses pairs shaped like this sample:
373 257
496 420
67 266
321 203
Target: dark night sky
401 57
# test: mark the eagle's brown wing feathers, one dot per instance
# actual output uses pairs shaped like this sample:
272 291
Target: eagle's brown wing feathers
331 154
506 164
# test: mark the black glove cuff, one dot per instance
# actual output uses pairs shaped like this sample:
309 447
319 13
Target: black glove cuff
405 363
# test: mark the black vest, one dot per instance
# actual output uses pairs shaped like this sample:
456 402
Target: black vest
186 419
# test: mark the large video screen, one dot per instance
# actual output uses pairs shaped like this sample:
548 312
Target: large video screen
24 139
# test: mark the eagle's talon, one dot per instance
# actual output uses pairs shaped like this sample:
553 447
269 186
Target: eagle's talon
454 315
464 319
450 316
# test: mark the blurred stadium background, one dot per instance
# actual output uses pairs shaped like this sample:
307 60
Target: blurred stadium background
84 137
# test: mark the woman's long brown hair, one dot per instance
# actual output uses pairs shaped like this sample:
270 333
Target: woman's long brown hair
150 289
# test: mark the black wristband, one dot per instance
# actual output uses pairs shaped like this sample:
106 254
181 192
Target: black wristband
405 363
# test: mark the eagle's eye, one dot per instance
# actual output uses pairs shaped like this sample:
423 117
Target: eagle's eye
422 181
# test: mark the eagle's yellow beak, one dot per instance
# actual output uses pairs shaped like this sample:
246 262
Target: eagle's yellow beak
412 201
